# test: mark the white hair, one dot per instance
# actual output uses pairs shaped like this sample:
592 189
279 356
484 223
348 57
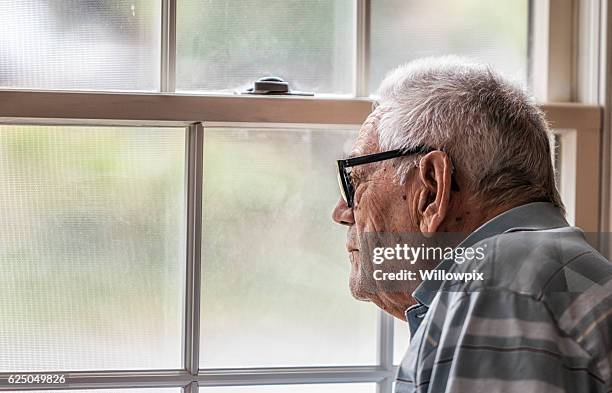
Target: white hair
496 136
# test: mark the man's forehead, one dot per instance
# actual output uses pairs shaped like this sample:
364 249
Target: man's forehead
367 139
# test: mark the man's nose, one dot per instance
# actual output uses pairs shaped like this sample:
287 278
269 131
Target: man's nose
343 214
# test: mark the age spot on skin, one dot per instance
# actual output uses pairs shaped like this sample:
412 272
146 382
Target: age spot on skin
404 197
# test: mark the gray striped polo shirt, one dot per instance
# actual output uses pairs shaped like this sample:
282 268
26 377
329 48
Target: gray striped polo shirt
539 321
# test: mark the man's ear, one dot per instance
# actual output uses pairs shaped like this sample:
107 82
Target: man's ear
435 176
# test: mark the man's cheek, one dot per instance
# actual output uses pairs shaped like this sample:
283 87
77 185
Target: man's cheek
359 193
360 210
371 217
363 219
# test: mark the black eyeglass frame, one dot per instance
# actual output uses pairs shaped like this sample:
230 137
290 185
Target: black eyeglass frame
344 179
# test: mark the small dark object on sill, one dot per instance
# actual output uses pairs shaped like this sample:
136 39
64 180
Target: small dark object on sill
272 85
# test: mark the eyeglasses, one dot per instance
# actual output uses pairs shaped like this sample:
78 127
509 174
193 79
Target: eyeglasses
347 189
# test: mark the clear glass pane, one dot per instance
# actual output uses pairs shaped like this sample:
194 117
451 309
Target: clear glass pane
401 339
495 32
226 45
275 270
318 388
91 247
83 45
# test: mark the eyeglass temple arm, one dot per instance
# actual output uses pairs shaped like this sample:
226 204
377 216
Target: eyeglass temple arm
370 158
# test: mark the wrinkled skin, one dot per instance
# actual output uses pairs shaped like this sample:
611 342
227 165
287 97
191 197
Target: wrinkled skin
424 203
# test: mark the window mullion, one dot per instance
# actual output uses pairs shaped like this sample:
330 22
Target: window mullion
552 31
168 46
385 349
191 388
191 333
362 47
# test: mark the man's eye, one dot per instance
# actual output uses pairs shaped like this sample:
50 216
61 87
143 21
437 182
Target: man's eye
355 179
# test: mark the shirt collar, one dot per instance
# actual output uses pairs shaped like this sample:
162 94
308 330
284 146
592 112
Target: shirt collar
529 217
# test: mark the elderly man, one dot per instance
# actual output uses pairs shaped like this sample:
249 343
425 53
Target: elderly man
452 147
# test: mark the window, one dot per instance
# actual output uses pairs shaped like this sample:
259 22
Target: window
226 45
80 45
223 46
401 339
92 231
265 189
492 32
170 242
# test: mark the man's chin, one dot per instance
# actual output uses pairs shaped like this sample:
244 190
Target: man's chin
357 282
359 292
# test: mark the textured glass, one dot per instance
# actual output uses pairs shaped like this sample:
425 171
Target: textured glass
91 247
80 44
401 340
494 32
314 388
274 266
226 45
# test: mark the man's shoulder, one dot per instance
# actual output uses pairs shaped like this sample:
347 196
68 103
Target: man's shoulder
540 263
557 270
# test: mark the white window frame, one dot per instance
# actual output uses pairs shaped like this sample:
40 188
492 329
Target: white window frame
570 60
579 126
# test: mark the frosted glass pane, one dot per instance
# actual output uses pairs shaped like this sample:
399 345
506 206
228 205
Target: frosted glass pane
401 340
319 388
275 270
83 45
91 247
495 32
226 45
